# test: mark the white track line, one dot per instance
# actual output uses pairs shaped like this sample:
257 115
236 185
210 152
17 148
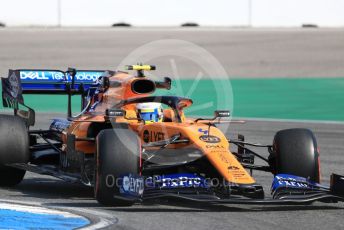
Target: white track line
290 120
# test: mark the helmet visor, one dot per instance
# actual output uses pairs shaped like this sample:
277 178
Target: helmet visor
149 115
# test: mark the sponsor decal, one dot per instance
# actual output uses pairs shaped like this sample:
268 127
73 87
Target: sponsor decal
88 76
152 136
209 139
58 76
32 75
42 75
14 85
290 181
204 131
214 146
236 172
233 167
183 180
132 185
83 76
222 113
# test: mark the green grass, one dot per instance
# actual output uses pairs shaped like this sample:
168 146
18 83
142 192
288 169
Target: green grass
302 98
310 99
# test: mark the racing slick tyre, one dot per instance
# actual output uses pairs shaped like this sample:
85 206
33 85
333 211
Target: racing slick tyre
14 148
295 152
118 153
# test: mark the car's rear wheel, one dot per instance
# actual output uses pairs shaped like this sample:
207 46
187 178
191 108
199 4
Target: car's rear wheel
295 152
118 154
14 148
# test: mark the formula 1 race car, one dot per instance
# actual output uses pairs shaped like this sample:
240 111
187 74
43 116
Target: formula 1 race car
132 146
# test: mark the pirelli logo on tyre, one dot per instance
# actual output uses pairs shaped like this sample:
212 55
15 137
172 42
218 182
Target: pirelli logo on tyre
209 139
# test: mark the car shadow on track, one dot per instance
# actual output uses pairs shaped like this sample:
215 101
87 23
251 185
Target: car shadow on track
196 207
50 190
177 206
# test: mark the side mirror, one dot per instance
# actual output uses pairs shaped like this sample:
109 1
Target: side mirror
114 113
166 84
217 114
222 113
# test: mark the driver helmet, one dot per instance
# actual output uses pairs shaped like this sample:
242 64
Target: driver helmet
150 112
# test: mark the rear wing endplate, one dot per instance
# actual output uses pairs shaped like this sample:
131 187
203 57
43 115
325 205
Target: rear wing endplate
35 81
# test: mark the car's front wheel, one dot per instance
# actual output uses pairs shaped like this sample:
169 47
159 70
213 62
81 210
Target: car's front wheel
295 152
118 154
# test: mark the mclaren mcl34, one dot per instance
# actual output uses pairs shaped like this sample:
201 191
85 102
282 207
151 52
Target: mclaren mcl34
132 146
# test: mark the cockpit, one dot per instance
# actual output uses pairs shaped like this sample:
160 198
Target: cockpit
171 108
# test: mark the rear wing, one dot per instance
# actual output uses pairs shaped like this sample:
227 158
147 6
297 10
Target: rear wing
56 81
43 81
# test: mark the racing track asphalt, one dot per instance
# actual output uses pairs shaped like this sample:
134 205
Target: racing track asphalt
55 193
242 52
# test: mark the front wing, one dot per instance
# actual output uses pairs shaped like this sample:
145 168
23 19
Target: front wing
286 190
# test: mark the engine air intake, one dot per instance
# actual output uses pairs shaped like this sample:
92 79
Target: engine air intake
143 86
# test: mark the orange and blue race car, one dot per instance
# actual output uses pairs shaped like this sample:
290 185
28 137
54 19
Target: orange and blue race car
134 146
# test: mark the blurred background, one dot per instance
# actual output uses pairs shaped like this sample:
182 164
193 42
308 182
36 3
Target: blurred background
255 13
282 59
